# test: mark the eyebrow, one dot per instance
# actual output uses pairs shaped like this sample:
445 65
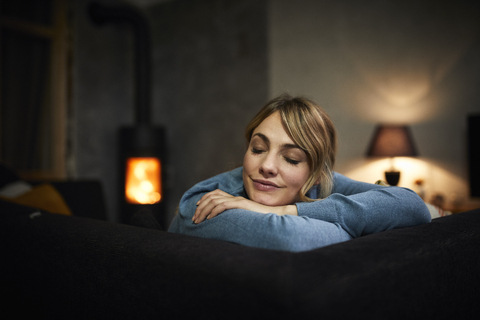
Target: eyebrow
284 146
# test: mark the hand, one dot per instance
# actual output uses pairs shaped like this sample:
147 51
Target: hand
217 201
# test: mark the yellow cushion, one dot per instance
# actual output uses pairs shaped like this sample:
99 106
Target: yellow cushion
44 197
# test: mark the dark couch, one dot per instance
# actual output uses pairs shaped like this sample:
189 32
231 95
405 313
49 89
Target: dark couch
71 267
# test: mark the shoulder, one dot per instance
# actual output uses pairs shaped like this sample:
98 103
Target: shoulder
347 186
230 182
344 185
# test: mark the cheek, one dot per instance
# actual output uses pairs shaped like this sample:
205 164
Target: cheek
248 162
298 178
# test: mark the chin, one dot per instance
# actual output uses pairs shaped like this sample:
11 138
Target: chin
268 200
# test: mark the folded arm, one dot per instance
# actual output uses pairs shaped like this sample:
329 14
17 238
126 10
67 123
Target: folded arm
362 208
270 231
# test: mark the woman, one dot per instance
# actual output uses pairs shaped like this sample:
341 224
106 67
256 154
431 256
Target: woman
286 196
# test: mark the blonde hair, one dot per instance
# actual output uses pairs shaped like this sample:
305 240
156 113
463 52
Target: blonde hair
309 126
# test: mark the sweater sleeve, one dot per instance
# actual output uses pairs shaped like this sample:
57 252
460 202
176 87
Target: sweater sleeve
270 231
362 208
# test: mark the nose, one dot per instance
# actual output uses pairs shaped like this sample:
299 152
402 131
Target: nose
268 167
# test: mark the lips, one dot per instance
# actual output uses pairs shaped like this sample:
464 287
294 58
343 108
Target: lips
265 185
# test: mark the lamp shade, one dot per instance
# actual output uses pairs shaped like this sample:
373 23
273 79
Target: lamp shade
392 141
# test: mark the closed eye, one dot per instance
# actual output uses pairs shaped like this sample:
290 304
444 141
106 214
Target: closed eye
257 151
291 161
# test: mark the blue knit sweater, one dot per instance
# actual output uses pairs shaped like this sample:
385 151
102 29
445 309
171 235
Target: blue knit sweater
352 210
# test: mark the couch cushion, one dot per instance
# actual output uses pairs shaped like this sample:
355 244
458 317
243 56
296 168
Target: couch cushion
83 198
44 197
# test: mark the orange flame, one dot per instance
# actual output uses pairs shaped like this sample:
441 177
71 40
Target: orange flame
142 183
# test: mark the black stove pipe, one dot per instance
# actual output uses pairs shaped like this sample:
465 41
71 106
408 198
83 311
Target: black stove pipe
101 14
143 139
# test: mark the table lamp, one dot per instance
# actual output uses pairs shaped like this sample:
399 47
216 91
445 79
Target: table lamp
392 141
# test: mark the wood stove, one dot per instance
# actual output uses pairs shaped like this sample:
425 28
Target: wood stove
141 147
141 163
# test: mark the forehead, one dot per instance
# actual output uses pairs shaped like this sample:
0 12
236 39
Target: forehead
273 128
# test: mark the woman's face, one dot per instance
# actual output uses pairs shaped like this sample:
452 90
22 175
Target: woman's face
274 167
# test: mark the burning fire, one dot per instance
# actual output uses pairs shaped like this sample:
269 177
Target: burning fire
142 183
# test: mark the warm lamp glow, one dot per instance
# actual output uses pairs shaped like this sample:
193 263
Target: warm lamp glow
142 183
